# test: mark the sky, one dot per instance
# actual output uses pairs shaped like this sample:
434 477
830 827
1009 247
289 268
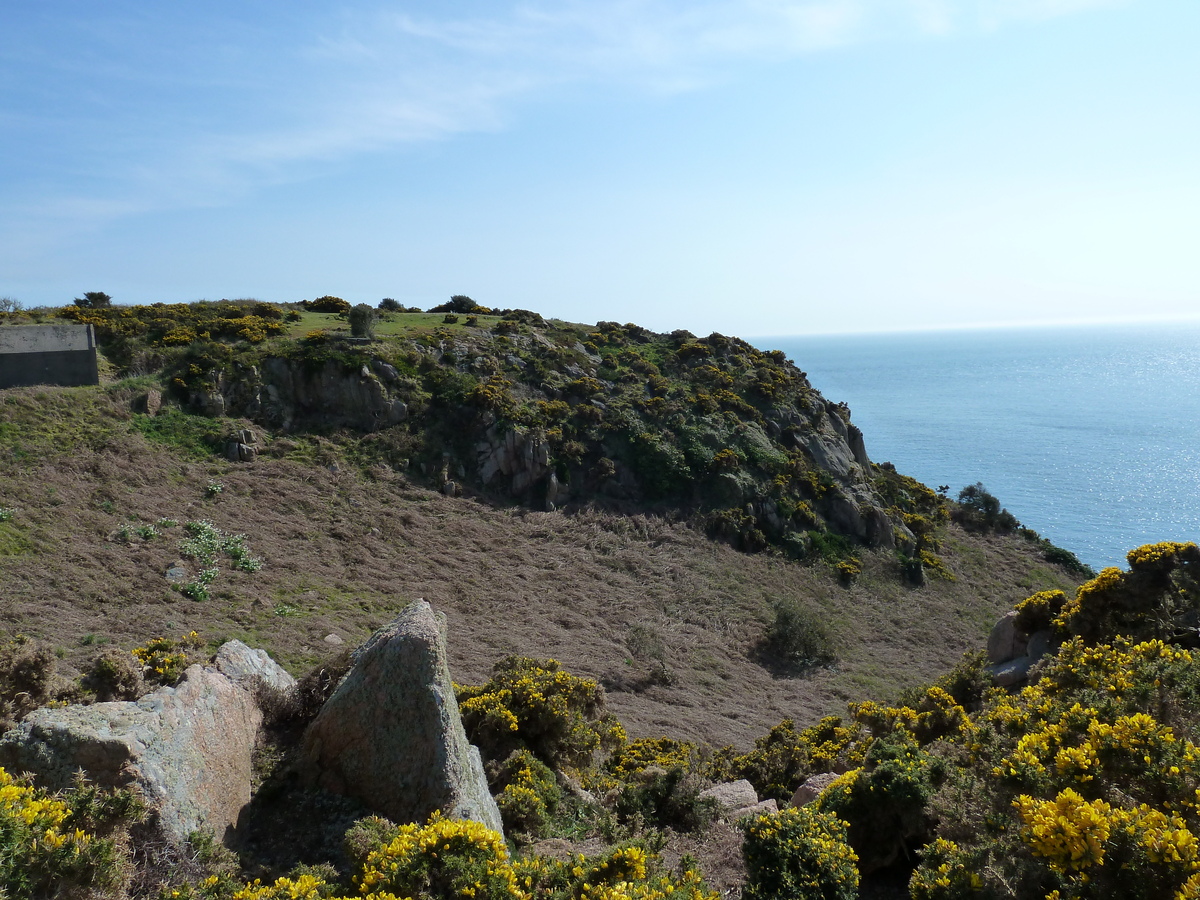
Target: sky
754 167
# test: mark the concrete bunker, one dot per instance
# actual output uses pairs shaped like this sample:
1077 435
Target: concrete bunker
48 354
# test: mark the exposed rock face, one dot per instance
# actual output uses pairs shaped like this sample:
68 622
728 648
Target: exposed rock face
391 735
285 393
188 748
519 454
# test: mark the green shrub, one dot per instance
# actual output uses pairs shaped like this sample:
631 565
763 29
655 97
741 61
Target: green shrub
362 321
28 679
666 799
799 634
116 675
884 803
798 854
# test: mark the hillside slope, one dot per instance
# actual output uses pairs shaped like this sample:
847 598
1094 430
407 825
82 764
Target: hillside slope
671 621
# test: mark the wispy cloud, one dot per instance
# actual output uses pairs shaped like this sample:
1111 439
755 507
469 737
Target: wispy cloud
368 79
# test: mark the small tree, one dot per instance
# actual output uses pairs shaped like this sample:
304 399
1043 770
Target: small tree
362 321
93 300
10 305
388 304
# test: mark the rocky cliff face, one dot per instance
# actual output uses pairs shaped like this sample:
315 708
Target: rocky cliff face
552 415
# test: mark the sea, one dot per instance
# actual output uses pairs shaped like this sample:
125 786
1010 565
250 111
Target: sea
1088 435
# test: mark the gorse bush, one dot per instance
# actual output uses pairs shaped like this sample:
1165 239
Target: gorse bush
327 304
1152 599
526 793
55 845
783 758
445 858
532 704
164 660
798 854
1085 783
885 802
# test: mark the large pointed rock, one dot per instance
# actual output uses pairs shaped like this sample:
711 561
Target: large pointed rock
188 748
391 736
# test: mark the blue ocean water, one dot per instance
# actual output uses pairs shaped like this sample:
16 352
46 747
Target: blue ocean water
1088 435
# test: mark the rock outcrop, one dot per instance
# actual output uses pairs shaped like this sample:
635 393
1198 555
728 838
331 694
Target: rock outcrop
391 736
735 799
287 394
187 748
1012 653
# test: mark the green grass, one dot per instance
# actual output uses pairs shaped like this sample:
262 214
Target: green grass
36 423
196 436
13 541
396 324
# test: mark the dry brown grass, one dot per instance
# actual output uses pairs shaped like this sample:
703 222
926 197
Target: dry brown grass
667 619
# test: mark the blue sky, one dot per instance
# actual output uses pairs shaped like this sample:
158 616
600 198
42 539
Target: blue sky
756 167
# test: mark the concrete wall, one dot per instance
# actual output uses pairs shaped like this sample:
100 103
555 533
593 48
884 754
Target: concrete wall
47 354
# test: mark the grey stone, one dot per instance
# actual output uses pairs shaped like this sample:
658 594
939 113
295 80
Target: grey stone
246 667
187 748
1005 642
1012 672
1040 643
391 735
812 788
732 795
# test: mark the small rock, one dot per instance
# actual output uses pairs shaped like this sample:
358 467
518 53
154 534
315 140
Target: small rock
812 788
1012 672
734 795
765 808
177 573
333 640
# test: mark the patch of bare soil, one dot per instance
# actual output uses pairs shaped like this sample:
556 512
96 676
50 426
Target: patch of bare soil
668 620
